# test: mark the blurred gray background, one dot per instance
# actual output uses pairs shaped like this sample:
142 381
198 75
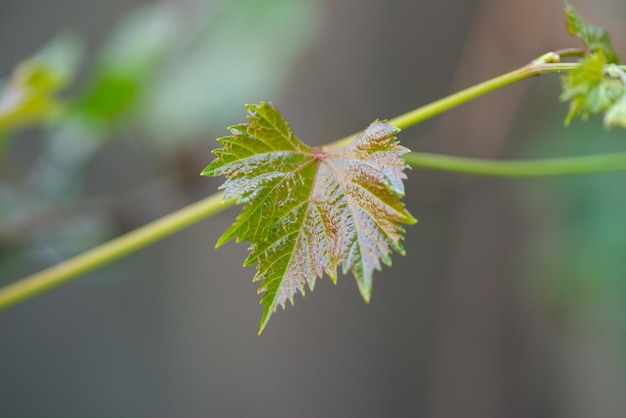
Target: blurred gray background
509 303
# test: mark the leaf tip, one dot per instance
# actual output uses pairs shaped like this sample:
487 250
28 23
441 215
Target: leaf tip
365 287
367 297
250 260
207 172
268 309
222 240
409 219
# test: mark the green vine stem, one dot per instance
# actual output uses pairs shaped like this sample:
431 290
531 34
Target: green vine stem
564 166
117 248
110 251
547 63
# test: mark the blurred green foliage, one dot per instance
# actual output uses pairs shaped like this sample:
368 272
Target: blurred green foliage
165 77
594 87
589 91
128 64
30 94
594 38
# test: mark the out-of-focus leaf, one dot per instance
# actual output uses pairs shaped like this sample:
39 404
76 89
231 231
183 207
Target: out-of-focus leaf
30 94
589 89
616 115
594 38
239 51
132 57
309 211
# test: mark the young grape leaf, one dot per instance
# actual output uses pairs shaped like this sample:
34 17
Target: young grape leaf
598 84
590 89
308 210
594 38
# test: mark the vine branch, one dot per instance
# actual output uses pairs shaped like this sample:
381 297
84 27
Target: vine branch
117 248
547 63
563 166
110 251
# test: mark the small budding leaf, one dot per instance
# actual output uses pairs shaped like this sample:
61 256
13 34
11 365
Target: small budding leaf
589 89
598 84
594 38
309 211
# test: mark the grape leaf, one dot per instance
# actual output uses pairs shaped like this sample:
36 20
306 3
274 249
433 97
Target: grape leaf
598 84
594 38
590 89
309 210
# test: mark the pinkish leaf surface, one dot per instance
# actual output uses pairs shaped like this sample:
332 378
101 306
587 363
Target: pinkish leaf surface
308 211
